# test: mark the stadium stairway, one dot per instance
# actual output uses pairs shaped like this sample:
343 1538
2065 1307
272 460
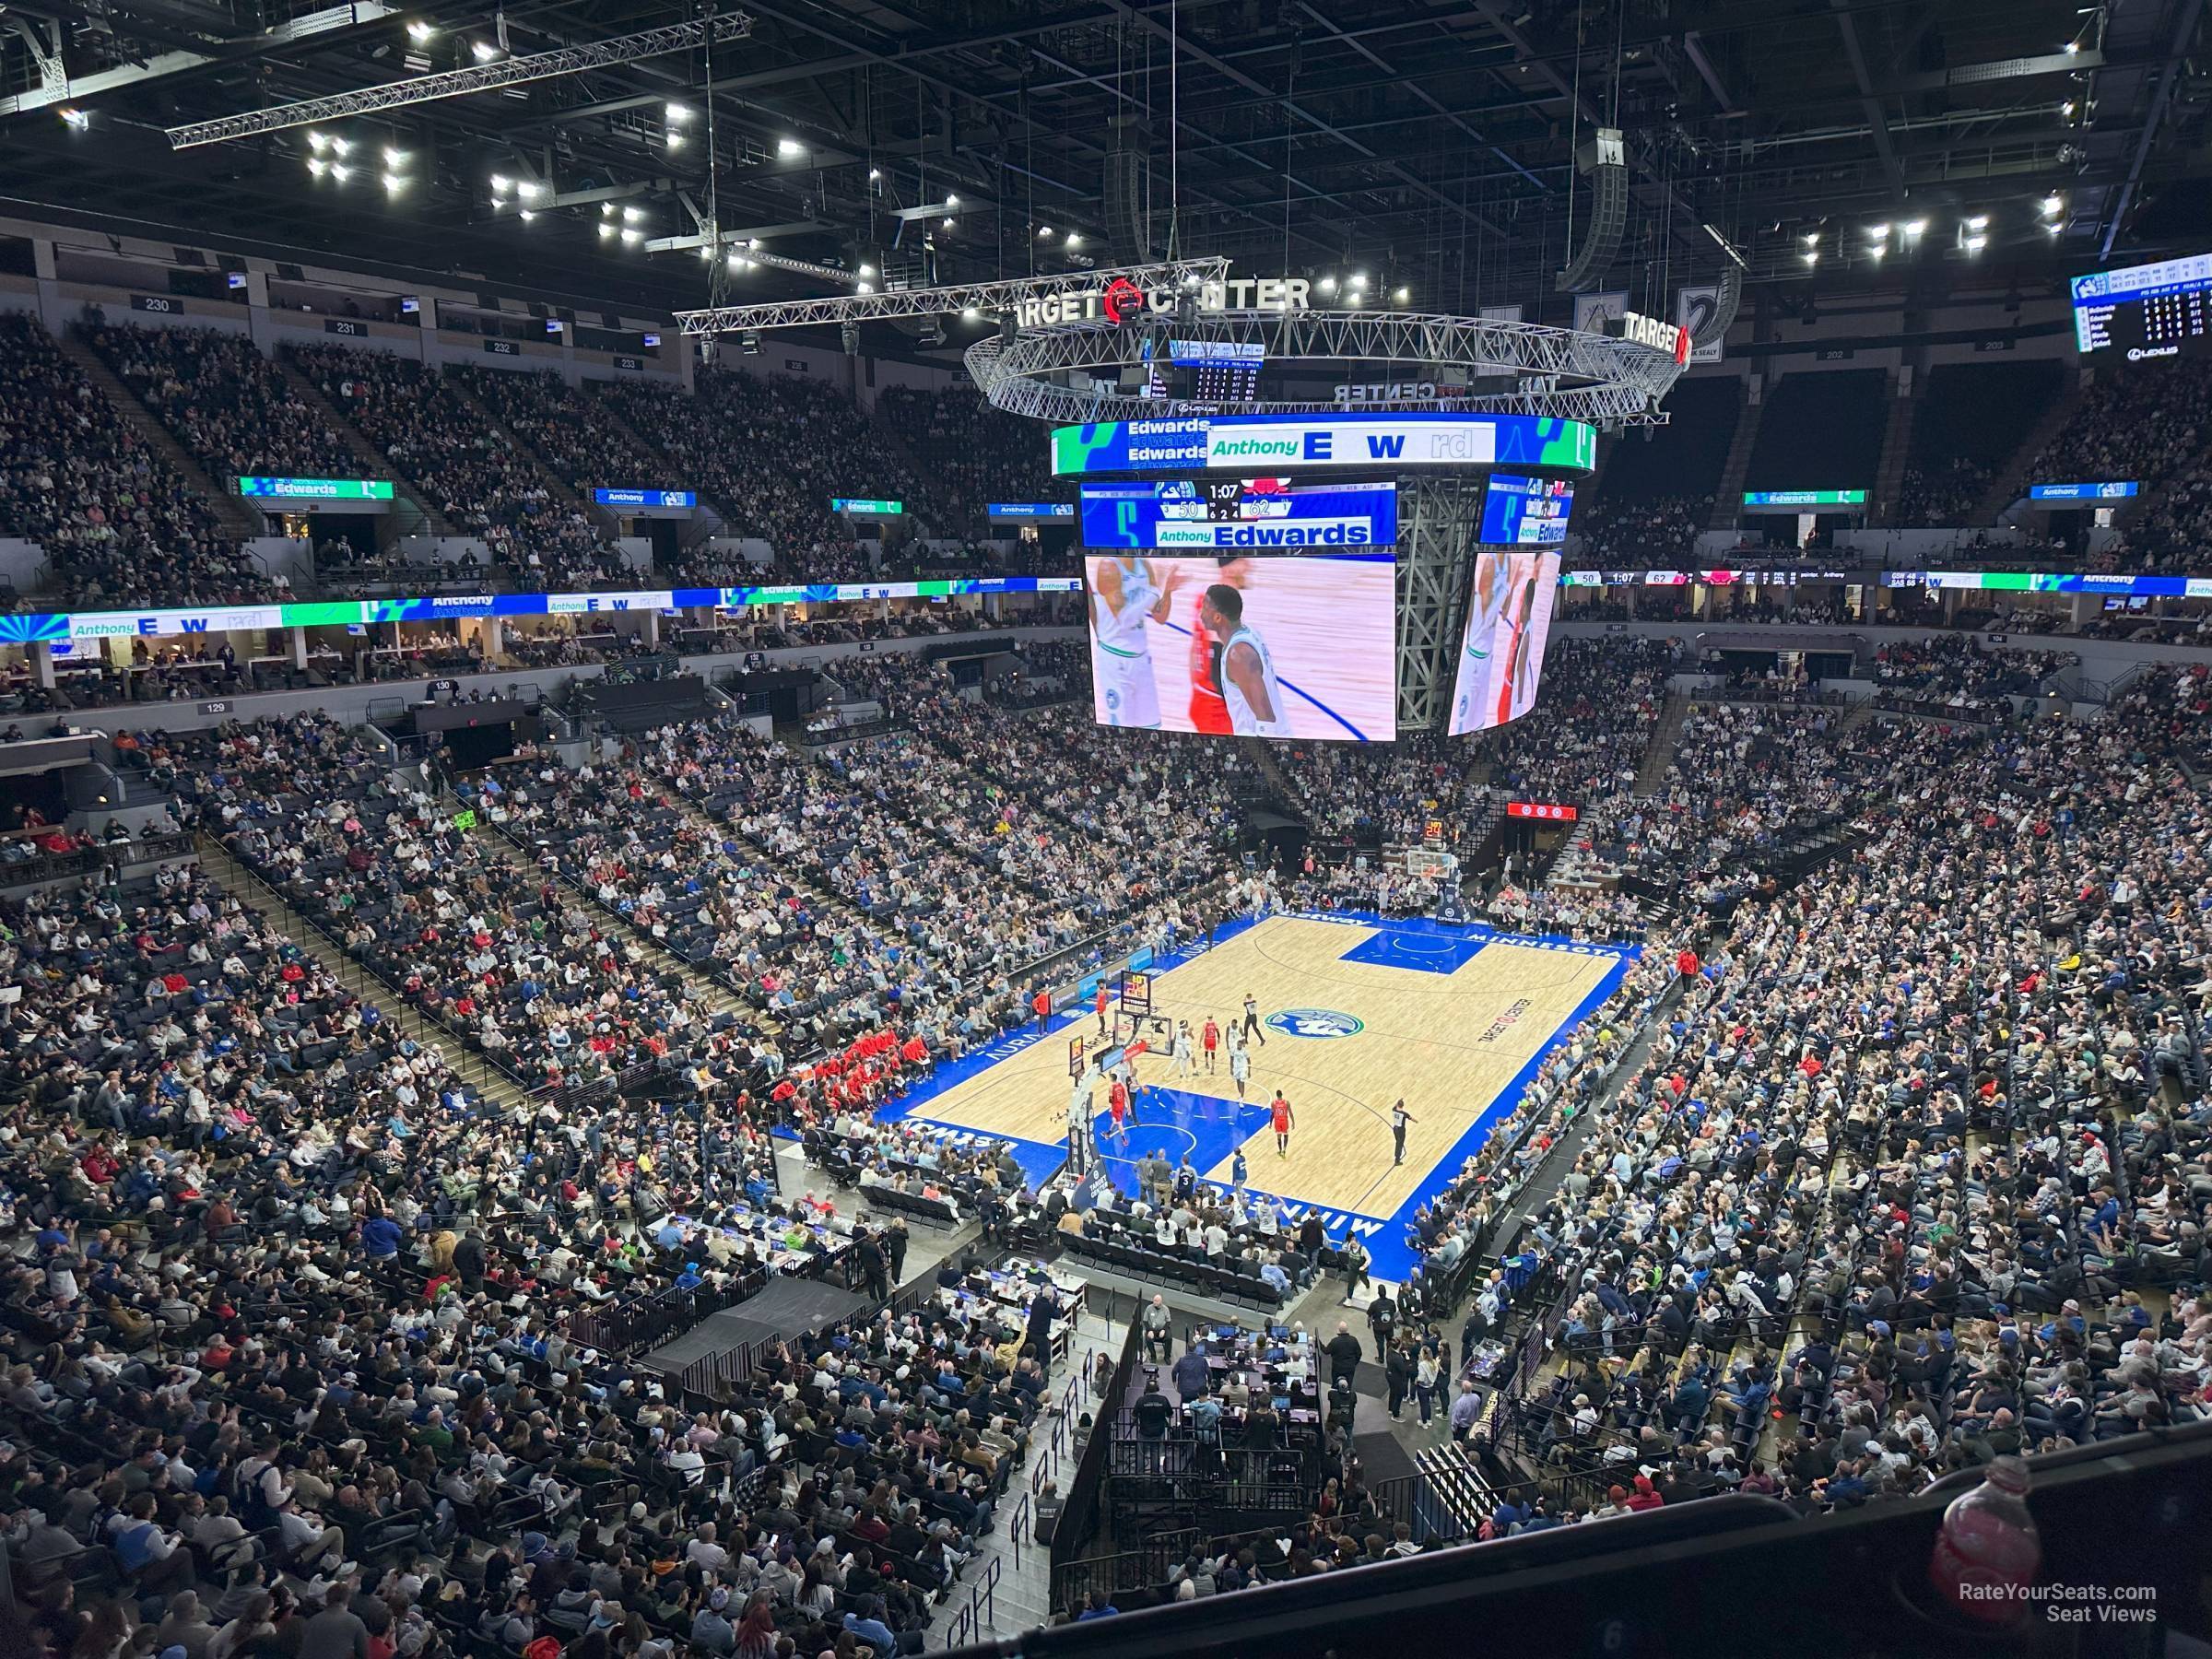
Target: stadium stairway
2009 480
375 464
265 901
1729 494
559 487
1897 442
713 995
1661 755
237 518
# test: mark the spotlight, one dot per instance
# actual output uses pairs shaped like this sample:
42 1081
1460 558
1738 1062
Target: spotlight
675 114
754 244
2067 109
1812 256
875 175
317 142
970 313
316 165
1879 233
790 146
1876 252
483 50
606 230
1073 241
949 221
2071 47
341 145
77 120
1979 222
527 216
676 141
1328 285
866 271
531 190
340 171
631 216
1358 279
631 238
1043 231
1812 239
1355 298
1975 245
1401 294
2055 228
951 200
607 210
2053 205
394 183
864 288
420 31
738 262
1914 227
394 158
1190 279
500 184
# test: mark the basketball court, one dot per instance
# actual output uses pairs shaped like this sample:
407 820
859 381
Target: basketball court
1358 1012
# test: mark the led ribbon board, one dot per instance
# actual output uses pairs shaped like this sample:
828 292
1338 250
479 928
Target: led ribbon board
318 489
1252 442
1256 514
49 628
1804 498
2083 492
645 497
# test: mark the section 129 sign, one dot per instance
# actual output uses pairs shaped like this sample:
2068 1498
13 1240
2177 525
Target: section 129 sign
1252 515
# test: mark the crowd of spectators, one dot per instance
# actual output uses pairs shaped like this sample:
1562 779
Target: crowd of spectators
1661 530
557 421
1945 494
971 454
2137 423
118 525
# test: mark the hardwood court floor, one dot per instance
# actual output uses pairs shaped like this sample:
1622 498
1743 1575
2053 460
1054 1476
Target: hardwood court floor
1448 1043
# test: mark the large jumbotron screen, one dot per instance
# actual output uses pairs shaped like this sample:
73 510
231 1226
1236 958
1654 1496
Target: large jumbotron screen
1262 647
1501 654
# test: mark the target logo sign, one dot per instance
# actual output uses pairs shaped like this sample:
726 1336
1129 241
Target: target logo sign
1123 300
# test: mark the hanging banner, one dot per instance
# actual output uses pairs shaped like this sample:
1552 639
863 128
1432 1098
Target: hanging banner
1695 307
1593 312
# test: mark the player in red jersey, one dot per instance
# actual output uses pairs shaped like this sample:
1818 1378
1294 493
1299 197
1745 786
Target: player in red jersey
1210 708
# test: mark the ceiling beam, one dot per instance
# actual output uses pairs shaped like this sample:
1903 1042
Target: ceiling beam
1878 118
2184 30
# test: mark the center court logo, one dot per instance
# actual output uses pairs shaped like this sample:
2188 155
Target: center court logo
1315 1022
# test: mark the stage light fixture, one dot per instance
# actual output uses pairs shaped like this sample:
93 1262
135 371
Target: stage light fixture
866 271
789 148
675 140
339 147
1073 241
864 288
1975 245
951 200
394 183
1043 231
1812 256
1401 294
527 216
77 120
1879 233
675 114
317 165
483 50
607 210
1358 280
420 31
394 158
340 171
500 184
2053 205
631 216
970 313
1914 227
631 238
1328 285
1979 222
318 141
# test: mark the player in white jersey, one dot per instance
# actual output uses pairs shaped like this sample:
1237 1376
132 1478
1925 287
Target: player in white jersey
1243 669
1123 595
1492 592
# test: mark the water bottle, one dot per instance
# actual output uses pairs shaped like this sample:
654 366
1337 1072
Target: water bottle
1987 1553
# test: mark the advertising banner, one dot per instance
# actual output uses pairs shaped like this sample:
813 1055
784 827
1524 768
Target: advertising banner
1016 511
2082 492
645 497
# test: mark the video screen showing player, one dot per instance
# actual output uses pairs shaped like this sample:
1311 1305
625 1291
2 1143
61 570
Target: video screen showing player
1301 648
1501 654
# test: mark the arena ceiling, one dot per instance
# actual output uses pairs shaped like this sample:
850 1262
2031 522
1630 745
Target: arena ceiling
1432 144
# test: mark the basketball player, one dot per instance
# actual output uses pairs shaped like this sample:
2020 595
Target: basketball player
1124 596
1210 1039
1492 589
1183 1050
1239 1068
1243 672
1399 1118
1209 712
1512 674
1279 1110
1099 1001
1251 1020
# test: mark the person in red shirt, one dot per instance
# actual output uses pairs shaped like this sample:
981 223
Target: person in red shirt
1210 1038
1041 1005
1279 1110
1685 964
1117 1103
1097 1001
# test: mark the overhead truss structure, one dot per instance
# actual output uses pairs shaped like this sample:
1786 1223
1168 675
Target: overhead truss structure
458 83
990 299
1056 373
1440 526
